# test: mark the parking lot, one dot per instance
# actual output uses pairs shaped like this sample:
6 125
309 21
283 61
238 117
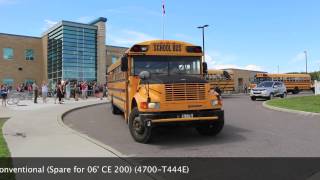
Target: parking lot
250 131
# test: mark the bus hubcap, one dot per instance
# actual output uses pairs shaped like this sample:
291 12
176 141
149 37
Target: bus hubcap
138 126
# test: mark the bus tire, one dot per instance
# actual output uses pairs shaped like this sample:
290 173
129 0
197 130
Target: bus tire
211 129
114 109
296 90
138 130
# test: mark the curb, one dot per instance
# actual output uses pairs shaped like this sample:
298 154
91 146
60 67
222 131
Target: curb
84 136
289 110
93 140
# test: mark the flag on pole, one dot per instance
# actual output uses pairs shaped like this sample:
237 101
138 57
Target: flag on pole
163 8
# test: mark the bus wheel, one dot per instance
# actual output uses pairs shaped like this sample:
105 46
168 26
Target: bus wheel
211 129
138 130
296 90
115 109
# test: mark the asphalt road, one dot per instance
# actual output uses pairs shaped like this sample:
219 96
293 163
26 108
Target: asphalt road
250 131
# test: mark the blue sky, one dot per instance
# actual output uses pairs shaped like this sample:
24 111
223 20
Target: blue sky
247 34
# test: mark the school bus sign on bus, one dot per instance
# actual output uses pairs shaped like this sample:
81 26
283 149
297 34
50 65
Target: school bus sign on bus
160 83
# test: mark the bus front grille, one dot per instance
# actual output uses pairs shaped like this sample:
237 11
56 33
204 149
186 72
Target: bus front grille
185 92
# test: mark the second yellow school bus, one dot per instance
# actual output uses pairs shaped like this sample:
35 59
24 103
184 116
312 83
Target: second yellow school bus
221 80
294 82
162 82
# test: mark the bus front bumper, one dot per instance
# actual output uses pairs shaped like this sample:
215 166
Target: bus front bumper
185 118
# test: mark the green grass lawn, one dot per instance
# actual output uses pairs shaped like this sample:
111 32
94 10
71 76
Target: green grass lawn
4 151
5 159
302 103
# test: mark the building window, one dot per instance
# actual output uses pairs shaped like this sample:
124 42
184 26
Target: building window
7 53
29 54
8 81
114 59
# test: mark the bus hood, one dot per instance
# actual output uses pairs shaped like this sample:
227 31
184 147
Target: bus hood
173 79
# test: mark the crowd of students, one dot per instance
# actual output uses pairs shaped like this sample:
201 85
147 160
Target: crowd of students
78 90
62 90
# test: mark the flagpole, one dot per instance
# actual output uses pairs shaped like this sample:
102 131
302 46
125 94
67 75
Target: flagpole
163 27
163 18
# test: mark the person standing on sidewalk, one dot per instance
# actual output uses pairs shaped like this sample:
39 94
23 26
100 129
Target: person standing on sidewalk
44 92
4 94
60 92
101 91
96 90
245 89
35 92
76 90
55 95
86 88
82 90
68 90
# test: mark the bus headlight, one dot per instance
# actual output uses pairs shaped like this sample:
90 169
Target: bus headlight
214 102
154 105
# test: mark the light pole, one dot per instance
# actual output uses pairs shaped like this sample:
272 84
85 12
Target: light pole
203 27
306 55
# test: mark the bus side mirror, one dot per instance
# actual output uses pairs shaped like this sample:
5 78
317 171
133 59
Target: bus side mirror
144 75
124 64
205 68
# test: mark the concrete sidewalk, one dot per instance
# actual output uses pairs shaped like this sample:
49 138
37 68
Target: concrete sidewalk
35 130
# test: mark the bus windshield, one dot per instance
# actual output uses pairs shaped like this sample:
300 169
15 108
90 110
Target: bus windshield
166 65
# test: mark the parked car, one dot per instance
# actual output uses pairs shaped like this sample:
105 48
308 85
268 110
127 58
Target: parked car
268 90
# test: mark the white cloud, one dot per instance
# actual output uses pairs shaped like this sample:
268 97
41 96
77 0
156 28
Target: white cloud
128 38
214 58
48 24
253 67
226 66
85 19
217 60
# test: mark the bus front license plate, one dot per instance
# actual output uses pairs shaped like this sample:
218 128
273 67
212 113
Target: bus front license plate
187 116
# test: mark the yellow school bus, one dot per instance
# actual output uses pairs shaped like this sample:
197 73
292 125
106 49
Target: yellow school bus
221 80
294 82
160 83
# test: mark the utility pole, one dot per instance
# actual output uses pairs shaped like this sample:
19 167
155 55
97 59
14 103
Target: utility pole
203 27
306 55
